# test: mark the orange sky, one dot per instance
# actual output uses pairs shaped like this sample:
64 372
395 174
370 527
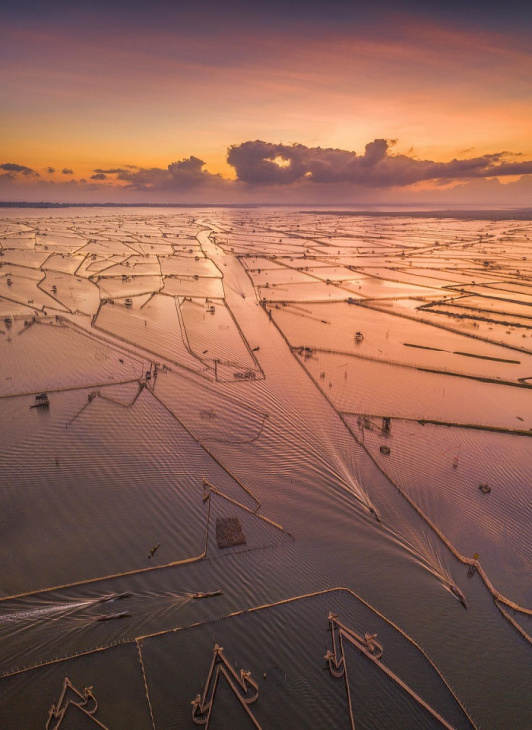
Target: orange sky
93 96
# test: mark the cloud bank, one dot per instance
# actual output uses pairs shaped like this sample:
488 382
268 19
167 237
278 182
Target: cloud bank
264 163
258 164
182 175
266 171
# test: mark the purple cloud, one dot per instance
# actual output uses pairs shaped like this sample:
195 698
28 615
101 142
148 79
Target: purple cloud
268 171
13 167
111 171
265 163
184 174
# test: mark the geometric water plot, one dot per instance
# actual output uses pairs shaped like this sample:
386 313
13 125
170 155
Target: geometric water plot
383 289
53 355
10 308
58 242
508 287
20 242
499 292
278 649
98 689
489 326
211 415
355 385
181 668
117 286
73 293
415 711
90 499
482 309
233 527
475 488
257 266
202 287
135 266
124 394
21 285
213 336
485 304
104 248
417 275
398 340
64 263
302 292
155 327
92 265
24 257
197 267
329 273
268 276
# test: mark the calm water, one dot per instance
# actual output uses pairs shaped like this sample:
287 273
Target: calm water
202 366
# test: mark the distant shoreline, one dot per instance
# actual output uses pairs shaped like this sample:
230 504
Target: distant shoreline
521 214
366 209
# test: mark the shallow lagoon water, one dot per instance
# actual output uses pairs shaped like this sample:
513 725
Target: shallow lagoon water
148 441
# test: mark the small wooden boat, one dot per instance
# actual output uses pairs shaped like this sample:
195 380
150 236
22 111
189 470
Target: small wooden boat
113 597
111 616
207 594
457 593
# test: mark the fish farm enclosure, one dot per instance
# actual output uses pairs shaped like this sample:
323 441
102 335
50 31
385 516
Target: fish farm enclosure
265 468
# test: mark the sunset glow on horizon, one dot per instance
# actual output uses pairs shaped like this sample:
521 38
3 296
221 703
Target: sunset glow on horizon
110 87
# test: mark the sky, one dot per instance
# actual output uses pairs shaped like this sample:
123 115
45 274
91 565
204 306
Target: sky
267 101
